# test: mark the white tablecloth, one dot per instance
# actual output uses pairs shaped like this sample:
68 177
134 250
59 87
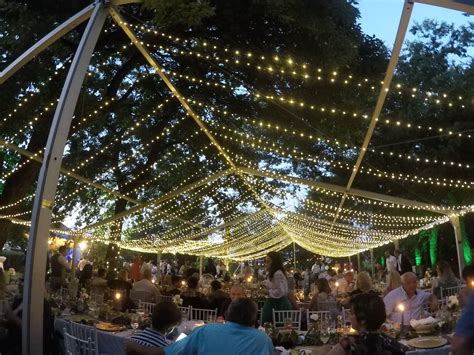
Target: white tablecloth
109 342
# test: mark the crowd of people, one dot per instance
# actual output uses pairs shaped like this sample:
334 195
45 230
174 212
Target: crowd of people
237 312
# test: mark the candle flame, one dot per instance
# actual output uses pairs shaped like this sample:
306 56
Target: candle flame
401 308
118 295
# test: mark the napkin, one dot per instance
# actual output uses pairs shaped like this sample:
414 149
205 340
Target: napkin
419 322
282 350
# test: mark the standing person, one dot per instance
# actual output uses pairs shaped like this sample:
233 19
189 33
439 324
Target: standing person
59 267
135 274
147 265
390 261
277 286
315 270
463 340
403 263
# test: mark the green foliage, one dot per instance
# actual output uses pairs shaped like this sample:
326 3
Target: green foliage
174 13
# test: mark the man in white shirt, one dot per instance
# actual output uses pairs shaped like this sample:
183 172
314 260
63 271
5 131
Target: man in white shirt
144 289
315 269
390 262
147 265
410 298
344 285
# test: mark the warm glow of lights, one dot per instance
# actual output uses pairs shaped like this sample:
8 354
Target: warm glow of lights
82 245
401 307
118 295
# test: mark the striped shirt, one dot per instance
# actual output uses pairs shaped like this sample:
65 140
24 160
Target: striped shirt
151 338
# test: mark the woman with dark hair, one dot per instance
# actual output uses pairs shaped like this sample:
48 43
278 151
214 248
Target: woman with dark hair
323 298
277 287
367 316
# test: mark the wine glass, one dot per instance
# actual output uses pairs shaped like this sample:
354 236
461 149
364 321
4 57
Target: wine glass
324 336
134 322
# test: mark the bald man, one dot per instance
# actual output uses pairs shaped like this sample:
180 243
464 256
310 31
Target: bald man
236 292
410 297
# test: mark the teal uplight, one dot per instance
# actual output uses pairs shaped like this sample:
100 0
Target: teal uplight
433 247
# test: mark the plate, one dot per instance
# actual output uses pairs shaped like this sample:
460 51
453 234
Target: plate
427 342
109 327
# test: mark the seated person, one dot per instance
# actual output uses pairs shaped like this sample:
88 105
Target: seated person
322 296
367 316
393 281
192 297
145 290
445 279
466 292
412 299
174 288
345 283
217 297
237 292
363 285
165 316
236 336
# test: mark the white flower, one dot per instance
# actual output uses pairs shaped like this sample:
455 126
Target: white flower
453 301
314 317
177 300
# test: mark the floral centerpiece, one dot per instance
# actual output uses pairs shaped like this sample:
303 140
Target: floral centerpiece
453 303
177 300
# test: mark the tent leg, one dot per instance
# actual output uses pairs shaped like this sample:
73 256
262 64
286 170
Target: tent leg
358 262
372 262
35 270
458 236
74 254
396 243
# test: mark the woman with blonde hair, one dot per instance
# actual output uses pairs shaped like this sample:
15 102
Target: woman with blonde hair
393 281
363 285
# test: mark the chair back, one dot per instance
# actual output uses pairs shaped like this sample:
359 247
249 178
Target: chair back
64 293
445 292
85 333
75 346
185 313
284 319
203 314
147 307
97 297
346 315
165 298
137 296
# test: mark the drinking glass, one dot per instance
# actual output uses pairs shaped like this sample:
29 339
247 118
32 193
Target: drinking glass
325 335
134 322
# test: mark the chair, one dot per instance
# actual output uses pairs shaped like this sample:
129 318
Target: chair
85 333
203 314
281 319
449 291
185 313
76 346
321 315
147 307
97 297
138 296
346 315
64 293
165 298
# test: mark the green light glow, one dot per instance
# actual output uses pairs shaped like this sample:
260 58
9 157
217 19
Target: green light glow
433 247
466 247
382 261
417 256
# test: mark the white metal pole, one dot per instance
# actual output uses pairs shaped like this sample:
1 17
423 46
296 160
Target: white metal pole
294 256
458 237
35 270
358 262
372 261
75 245
158 267
396 243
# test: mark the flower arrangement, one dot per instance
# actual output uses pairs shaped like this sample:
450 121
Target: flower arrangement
83 296
177 300
453 302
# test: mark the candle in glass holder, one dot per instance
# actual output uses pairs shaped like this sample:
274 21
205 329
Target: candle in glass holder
337 287
472 284
118 295
401 308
